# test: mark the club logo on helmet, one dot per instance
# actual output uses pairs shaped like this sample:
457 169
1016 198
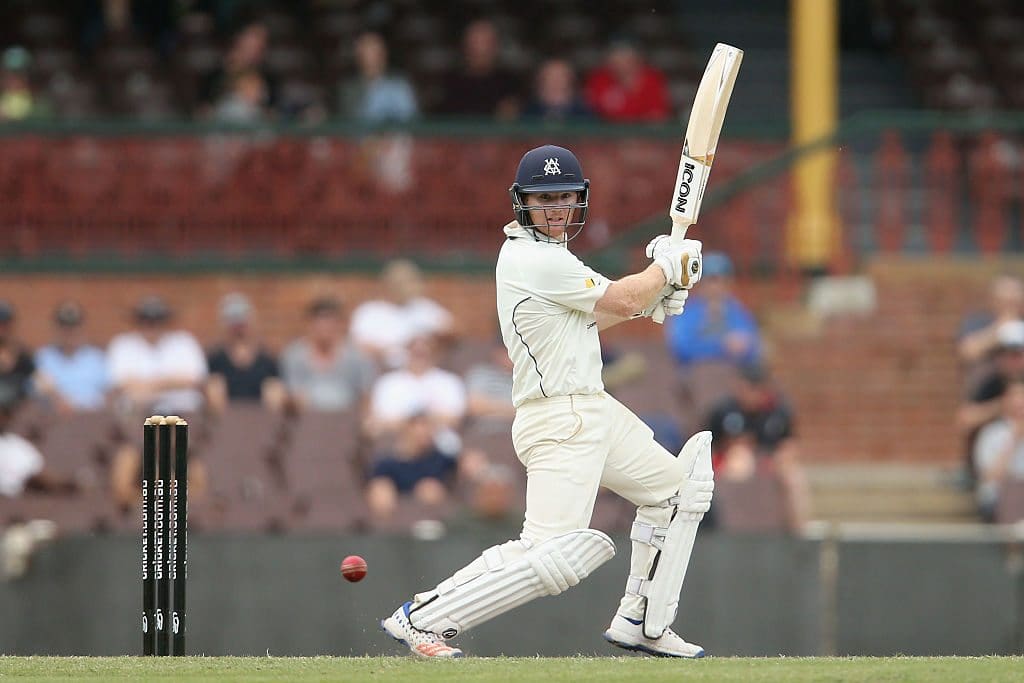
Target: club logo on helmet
551 166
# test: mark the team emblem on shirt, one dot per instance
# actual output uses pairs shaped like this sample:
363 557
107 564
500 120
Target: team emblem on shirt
589 282
551 166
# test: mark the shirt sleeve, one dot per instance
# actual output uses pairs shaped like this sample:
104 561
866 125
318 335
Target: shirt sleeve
992 439
189 359
98 363
217 361
388 400
121 361
269 365
990 387
558 276
293 371
452 396
362 325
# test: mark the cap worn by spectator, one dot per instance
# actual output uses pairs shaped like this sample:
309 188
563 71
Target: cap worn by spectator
235 308
152 309
68 314
716 264
1011 335
15 58
6 312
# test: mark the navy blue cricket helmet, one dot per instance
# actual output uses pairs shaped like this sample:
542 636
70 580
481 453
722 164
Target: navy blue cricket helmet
551 169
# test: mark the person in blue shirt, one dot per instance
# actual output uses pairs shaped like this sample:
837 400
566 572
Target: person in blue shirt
71 374
412 466
377 95
715 326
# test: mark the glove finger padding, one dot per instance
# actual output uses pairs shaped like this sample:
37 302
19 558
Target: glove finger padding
673 303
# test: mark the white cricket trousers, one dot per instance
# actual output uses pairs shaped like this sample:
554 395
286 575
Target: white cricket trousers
572 445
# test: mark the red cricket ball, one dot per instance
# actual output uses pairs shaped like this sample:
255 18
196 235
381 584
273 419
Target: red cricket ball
353 568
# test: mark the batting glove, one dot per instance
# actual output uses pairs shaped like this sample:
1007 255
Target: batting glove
669 299
681 262
673 303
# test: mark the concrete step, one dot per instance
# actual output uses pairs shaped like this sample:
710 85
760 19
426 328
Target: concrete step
889 493
918 503
873 475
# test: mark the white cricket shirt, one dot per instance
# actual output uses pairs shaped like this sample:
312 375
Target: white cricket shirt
19 462
546 299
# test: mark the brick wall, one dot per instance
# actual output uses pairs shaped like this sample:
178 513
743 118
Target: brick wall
280 300
886 386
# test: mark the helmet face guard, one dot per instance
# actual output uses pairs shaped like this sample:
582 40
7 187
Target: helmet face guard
577 211
551 169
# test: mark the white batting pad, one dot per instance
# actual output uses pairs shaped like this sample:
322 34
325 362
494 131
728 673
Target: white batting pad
507 576
674 542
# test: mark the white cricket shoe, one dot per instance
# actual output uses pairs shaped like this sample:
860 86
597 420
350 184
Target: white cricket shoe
629 634
422 643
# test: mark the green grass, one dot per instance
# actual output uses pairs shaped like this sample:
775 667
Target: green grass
548 670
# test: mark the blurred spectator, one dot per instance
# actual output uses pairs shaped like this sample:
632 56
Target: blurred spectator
244 103
18 101
752 431
22 467
412 465
156 20
322 371
979 332
241 369
556 98
983 403
489 389
70 373
247 53
715 326
16 364
999 450
376 96
627 89
383 327
420 387
481 87
156 369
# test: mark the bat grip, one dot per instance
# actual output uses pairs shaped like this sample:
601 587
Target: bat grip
678 235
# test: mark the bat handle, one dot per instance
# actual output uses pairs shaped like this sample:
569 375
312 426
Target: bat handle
678 235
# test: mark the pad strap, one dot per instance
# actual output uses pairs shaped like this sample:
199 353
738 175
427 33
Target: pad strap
649 534
637 585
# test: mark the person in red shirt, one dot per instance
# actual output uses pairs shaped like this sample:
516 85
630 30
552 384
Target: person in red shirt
626 89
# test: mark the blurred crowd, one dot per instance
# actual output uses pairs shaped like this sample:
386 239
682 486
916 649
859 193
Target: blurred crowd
991 413
427 413
219 61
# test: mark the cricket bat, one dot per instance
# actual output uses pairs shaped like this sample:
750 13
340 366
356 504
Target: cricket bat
699 145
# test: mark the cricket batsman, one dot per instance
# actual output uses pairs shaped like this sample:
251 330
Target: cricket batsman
573 437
